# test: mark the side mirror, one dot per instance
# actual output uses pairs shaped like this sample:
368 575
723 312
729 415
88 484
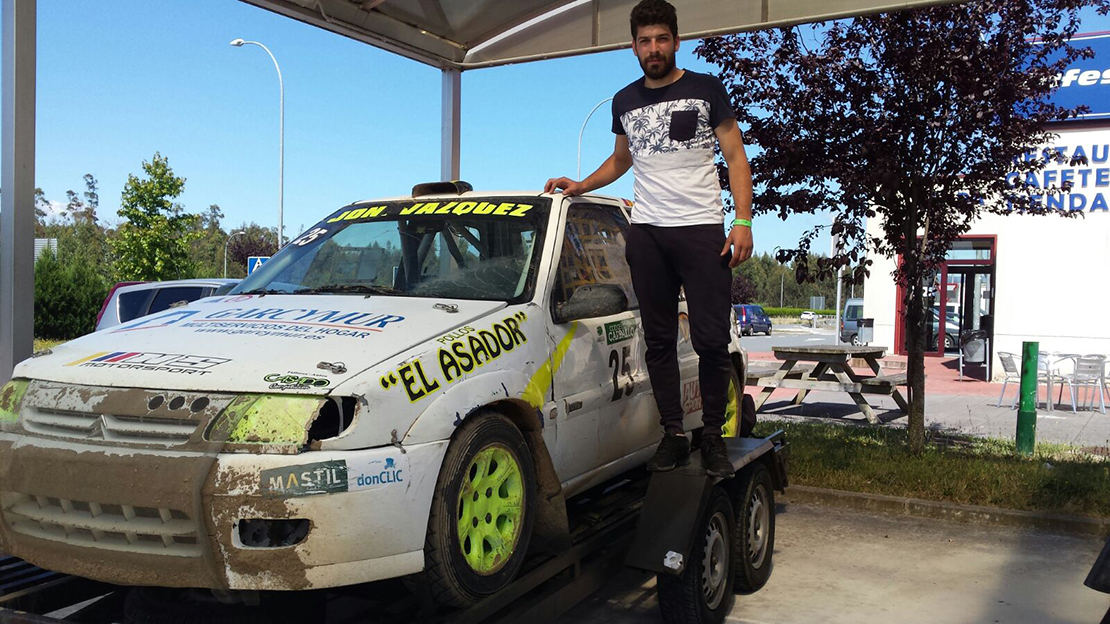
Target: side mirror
592 300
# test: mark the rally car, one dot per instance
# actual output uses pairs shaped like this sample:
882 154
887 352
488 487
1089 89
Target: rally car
413 387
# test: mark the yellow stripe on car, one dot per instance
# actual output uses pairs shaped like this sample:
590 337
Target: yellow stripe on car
541 381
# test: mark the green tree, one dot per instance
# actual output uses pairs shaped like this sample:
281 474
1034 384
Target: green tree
153 243
207 251
41 204
915 117
68 295
255 240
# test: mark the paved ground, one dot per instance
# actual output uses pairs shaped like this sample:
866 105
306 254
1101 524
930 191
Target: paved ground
834 565
787 336
951 404
974 415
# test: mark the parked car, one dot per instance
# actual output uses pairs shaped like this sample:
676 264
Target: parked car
809 315
849 321
951 329
410 388
751 319
128 301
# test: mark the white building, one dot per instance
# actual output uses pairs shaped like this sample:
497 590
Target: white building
1039 278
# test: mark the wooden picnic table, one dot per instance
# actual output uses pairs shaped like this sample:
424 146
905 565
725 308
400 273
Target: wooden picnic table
827 368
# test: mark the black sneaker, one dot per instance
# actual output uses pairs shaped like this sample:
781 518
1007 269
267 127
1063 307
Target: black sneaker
714 456
673 451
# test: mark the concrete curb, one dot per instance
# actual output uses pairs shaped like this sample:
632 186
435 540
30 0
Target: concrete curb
949 511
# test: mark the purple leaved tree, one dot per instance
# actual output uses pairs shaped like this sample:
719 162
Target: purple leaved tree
914 117
743 290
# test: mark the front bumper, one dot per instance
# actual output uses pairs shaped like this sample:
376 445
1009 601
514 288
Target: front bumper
171 518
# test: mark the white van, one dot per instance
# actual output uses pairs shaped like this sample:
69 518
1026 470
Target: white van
849 321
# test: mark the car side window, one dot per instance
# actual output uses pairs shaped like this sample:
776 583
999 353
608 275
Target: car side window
593 252
165 297
853 313
132 305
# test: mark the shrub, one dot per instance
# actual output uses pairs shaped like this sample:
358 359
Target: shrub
795 311
68 296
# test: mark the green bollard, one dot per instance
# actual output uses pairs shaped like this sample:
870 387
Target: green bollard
1027 406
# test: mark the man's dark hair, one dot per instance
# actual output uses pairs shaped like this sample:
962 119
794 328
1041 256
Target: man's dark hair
652 12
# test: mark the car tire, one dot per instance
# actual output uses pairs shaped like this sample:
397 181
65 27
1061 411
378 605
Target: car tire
949 342
755 530
768 330
855 341
703 593
486 491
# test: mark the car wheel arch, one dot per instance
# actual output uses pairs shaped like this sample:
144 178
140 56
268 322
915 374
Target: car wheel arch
442 418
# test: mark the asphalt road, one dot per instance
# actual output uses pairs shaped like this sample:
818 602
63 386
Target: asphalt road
834 565
790 336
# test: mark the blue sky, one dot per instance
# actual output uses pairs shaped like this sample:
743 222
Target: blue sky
120 80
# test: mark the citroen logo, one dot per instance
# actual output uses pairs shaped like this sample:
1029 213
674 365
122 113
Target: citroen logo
97 428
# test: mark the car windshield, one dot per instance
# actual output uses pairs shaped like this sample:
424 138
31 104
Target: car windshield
471 248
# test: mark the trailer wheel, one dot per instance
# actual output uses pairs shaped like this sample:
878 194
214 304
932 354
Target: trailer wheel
165 605
755 535
702 594
482 513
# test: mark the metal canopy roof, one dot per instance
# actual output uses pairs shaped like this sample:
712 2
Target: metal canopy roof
469 34
453 35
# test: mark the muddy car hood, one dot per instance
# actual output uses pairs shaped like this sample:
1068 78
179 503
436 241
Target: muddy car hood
304 343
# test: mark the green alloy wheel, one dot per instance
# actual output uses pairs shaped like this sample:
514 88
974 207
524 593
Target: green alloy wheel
731 428
482 513
490 509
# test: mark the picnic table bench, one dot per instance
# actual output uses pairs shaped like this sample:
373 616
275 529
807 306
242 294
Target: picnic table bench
827 368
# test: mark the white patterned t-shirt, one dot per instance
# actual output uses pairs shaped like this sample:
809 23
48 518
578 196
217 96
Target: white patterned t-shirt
670 135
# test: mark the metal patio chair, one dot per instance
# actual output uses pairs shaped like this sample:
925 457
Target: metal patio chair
1012 368
1089 373
1013 373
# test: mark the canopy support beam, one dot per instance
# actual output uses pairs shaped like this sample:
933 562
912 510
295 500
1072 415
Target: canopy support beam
450 124
17 210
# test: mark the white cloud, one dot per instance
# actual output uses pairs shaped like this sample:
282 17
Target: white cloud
54 209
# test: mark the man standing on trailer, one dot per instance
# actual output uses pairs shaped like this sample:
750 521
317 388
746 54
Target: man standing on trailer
666 123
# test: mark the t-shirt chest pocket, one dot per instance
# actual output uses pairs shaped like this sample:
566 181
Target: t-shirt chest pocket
684 125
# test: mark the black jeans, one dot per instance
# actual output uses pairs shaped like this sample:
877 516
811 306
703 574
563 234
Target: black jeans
662 260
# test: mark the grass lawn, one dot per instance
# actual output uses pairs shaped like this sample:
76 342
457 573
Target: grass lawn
958 469
41 344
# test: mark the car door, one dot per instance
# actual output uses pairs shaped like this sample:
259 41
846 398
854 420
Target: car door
764 320
601 380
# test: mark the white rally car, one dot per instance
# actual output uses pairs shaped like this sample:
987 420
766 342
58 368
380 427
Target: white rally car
412 387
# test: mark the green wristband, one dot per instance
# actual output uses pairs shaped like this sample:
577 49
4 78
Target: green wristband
745 222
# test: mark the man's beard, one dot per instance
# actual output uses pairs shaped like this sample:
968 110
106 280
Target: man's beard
660 70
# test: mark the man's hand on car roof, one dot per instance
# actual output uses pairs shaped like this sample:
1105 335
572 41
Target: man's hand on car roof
569 187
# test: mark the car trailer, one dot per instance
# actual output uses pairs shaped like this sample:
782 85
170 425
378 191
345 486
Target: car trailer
704 537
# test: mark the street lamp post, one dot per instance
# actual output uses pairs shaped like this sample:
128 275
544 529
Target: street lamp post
583 130
233 235
281 137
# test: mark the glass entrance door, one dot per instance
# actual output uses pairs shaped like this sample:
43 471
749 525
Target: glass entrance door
971 309
956 298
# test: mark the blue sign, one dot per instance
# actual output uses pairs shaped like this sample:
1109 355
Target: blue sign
1087 81
253 262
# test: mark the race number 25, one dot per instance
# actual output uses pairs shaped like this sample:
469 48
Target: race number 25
618 361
